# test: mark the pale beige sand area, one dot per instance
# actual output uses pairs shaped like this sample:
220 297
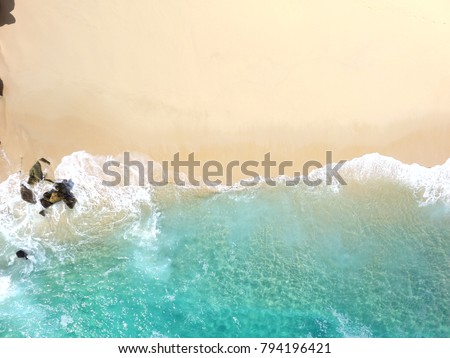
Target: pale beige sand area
226 79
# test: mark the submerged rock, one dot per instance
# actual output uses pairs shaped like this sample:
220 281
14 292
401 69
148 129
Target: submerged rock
22 254
27 194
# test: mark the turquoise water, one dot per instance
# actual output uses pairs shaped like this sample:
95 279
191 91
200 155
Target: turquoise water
370 259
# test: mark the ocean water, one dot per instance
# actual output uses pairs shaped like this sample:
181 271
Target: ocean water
368 259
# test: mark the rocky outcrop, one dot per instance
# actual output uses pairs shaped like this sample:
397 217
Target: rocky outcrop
61 191
6 18
36 174
27 194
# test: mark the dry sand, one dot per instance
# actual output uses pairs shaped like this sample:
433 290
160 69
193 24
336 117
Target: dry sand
226 79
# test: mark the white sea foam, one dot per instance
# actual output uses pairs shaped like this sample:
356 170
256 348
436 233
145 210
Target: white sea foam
350 329
428 184
5 284
100 210
66 320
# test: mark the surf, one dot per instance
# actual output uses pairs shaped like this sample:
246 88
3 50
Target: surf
366 259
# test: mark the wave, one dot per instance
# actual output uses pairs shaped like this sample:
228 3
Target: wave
101 210
429 185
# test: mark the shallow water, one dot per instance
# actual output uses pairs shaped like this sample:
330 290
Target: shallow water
369 259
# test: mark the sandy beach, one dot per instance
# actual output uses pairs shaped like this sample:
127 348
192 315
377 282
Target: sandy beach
226 80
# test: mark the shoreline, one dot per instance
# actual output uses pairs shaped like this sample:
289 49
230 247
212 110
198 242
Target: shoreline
23 149
138 170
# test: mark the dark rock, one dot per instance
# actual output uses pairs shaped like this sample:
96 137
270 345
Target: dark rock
6 18
35 175
50 197
42 212
22 254
61 191
44 161
27 194
70 200
64 186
